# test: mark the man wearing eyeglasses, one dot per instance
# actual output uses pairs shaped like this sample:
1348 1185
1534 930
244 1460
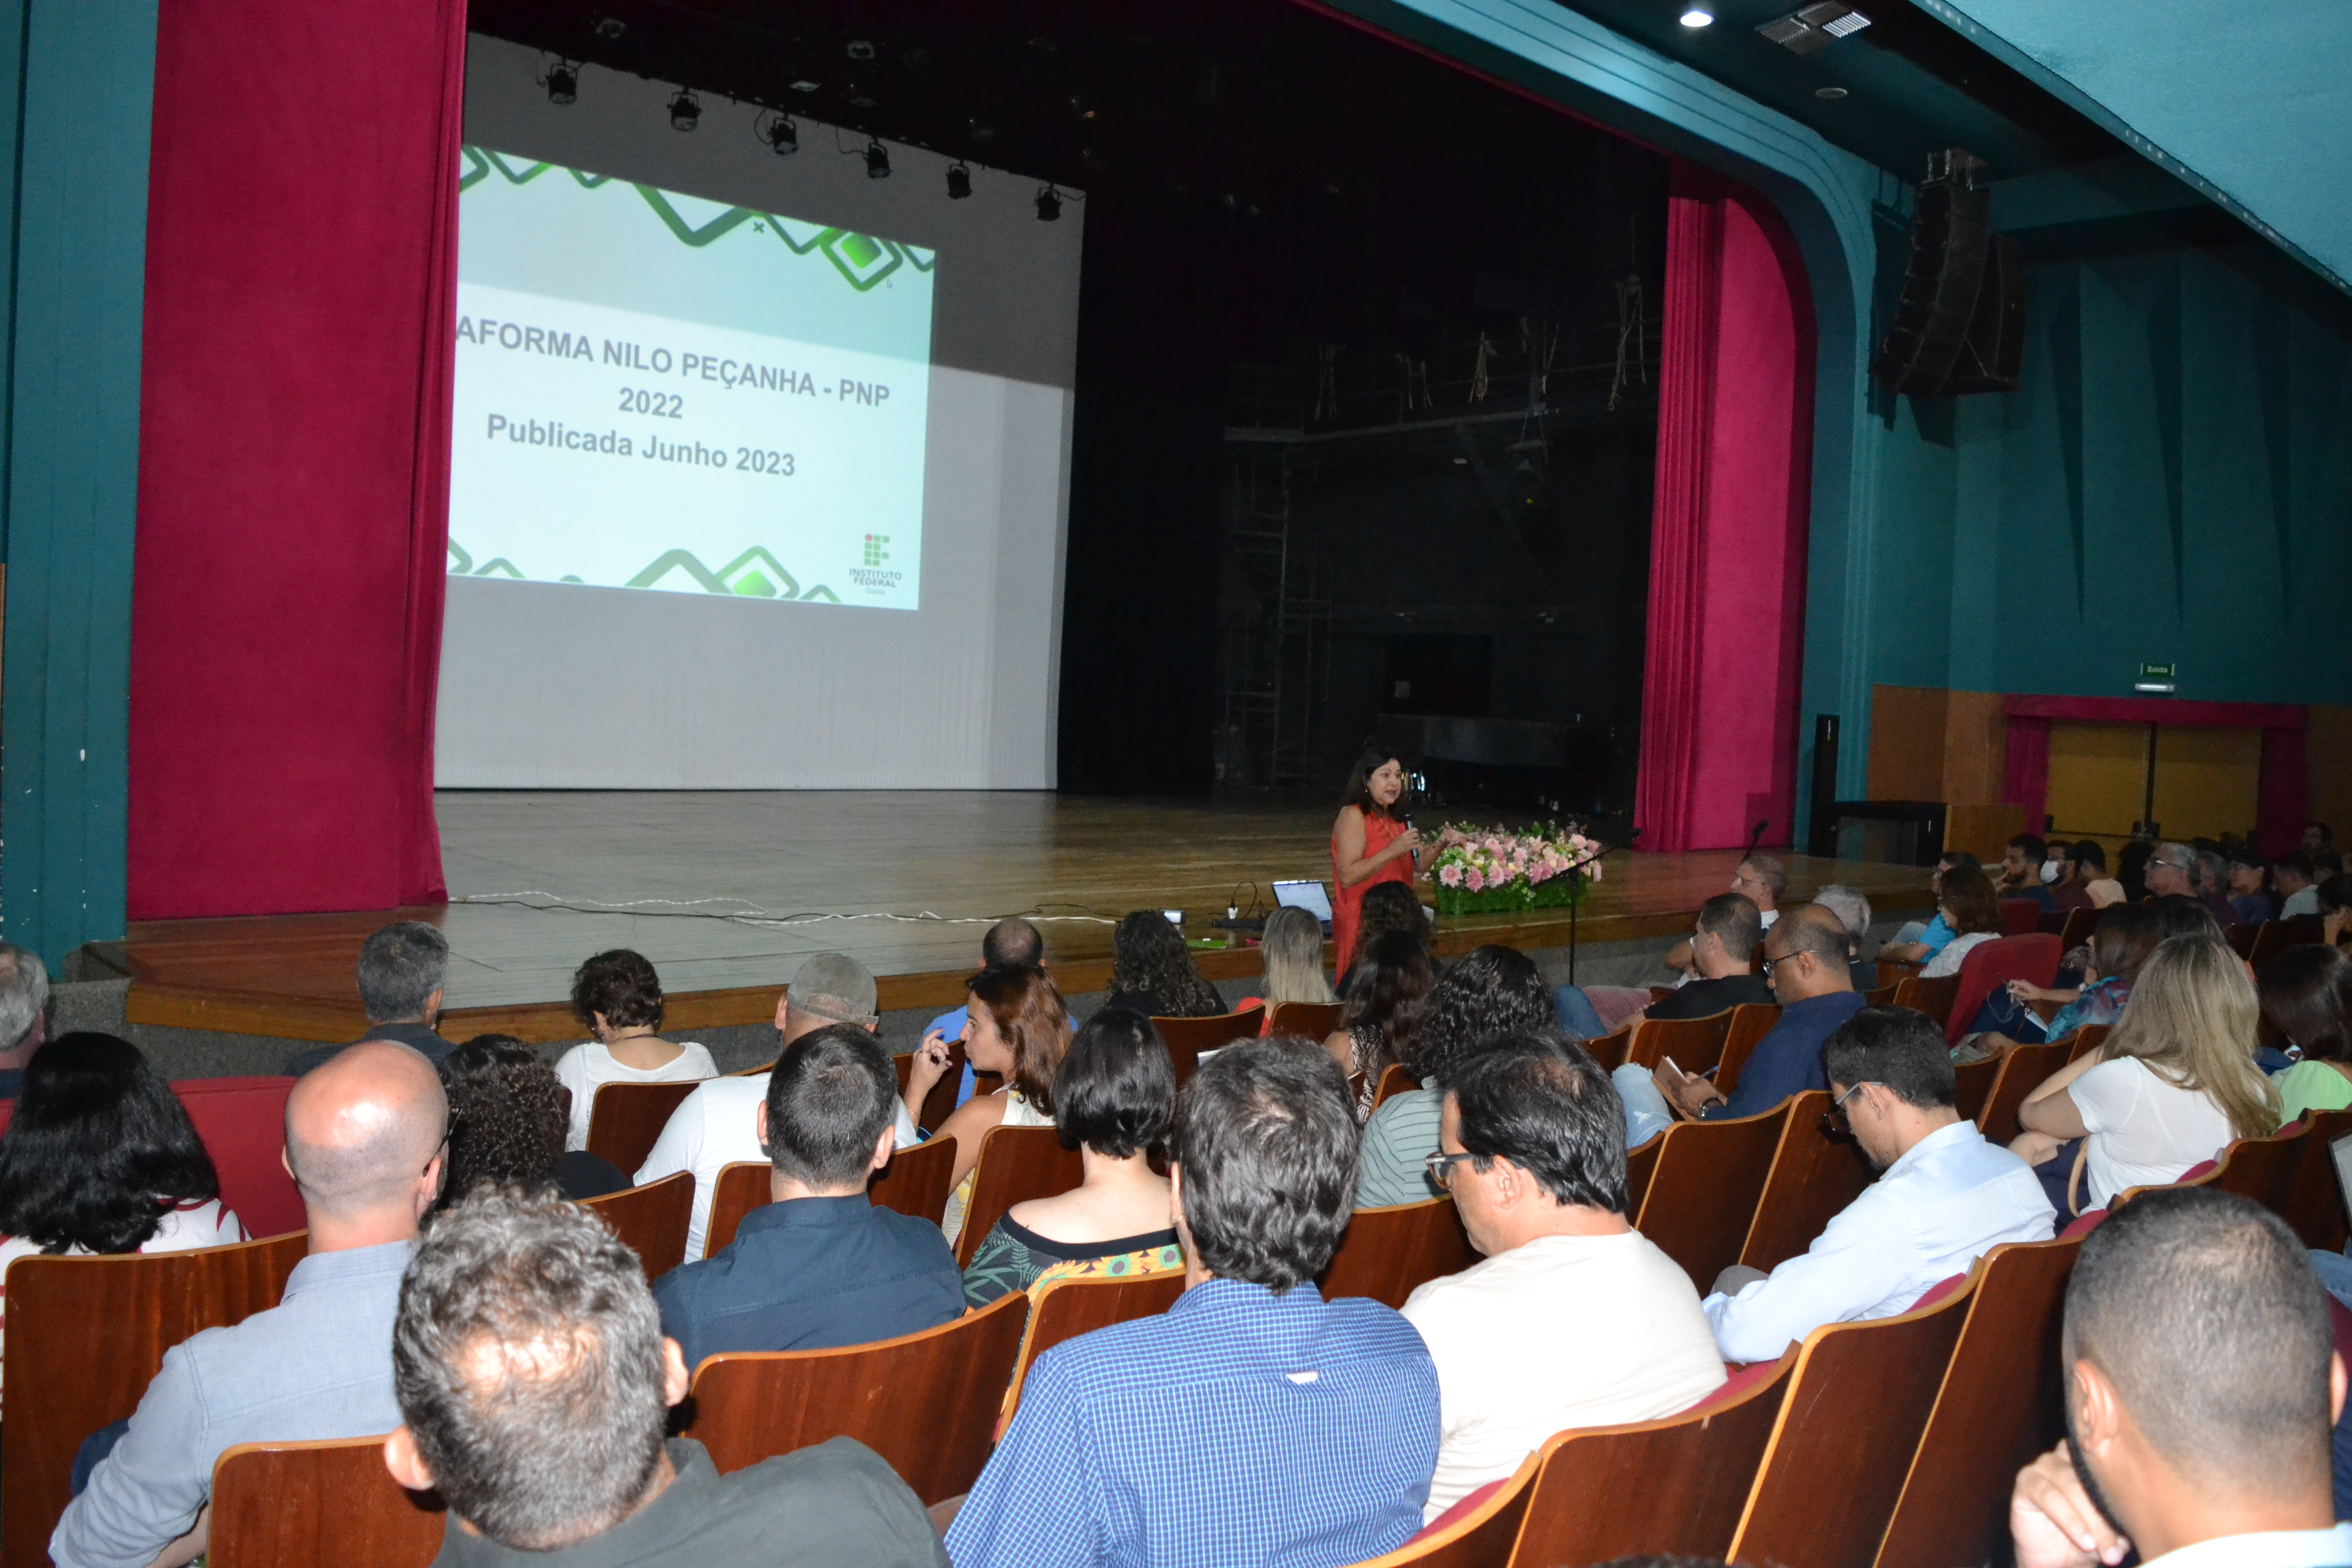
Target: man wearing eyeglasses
2171 869
1805 963
1944 1197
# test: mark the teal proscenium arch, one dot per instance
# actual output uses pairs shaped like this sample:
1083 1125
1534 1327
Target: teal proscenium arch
1825 196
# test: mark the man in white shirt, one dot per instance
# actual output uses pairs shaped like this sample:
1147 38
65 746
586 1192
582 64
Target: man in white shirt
2296 878
1944 1197
2201 1382
713 1128
1575 1319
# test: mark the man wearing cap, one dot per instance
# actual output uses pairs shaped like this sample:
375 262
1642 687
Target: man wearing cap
714 1126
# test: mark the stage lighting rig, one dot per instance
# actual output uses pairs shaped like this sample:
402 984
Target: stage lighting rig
562 82
778 133
959 181
877 160
685 110
1049 204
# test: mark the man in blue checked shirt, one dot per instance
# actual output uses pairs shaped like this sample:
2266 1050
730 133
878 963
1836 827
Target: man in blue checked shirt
1255 1422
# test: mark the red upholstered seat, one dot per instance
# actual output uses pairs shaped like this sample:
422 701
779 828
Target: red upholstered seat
1938 1291
1469 1502
2082 1224
243 1123
2033 958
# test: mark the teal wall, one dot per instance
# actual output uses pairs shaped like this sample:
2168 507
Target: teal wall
80 81
2171 483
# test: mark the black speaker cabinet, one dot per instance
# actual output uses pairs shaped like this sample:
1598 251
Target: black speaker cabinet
1960 325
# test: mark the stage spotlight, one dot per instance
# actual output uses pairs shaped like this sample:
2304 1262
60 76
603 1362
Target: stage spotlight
782 136
1697 16
1049 205
685 110
562 83
877 160
959 181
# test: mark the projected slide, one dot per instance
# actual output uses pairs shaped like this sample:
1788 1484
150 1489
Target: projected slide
657 390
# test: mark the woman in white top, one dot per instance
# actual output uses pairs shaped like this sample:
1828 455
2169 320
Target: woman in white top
2174 1084
619 997
1972 910
1015 1026
101 1157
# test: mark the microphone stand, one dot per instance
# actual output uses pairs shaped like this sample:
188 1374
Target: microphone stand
1577 868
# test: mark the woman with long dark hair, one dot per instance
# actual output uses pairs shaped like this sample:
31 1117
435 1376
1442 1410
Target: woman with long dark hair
101 1157
1152 972
1016 1027
1371 842
2306 1009
1386 990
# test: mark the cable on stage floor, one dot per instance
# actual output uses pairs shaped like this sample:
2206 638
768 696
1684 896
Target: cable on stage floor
751 914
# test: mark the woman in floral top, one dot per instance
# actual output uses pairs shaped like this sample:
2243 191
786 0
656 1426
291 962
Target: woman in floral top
2120 943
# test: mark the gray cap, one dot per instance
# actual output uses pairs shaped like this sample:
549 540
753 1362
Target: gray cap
835 986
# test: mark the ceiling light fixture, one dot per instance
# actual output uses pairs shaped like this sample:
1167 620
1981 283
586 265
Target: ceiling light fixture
1832 93
1697 16
1049 204
877 160
685 110
959 181
562 82
782 137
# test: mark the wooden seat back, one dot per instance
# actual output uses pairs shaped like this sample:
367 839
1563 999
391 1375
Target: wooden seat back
651 1220
1814 1175
1394 1080
1481 1538
1972 1087
1389 1251
2264 1169
2023 1068
1999 1405
86 1335
742 1186
1641 1160
2020 917
1016 1163
626 1119
1611 1050
318 1505
2086 1039
1313 1021
1750 1022
927 1403
1858 1399
2243 937
1703 1189
1879 996
2314 1202
1187 1037
940 1104
1671 1486
1696 1043
1933 997
2077 930
2277 936
917 1181
1062 1310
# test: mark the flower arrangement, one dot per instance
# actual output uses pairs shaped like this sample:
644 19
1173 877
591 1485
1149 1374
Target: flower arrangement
1481 870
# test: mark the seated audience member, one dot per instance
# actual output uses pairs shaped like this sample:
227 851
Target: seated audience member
819 1266
1114 1100
1852 906
401 970
2335 911
2317 837
2201 1381
2173 1084
507 1122
1917 943
2185 914
619 997
1489 993
2020 871
1943 1196
1018 1030
2091 874
1804 959
2212 875
363 1140
1969 909
2297 882
1292 946
2306 1008
2120 944
100 1158
2327 863
2248 897
24 1014
1011 944
534 1387
1762 879
2131 869
1152 972
2171 871
2071 890
714 1126
1386 986
1723 960
1388 907
1534 1153
1186 1438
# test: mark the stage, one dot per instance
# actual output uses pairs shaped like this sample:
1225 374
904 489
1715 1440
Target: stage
727 892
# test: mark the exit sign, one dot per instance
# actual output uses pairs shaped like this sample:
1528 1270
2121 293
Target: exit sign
2158 671
2156 680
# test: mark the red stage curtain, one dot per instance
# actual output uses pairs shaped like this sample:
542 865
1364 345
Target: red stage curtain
2283 798
2025 776
1727 529
293 455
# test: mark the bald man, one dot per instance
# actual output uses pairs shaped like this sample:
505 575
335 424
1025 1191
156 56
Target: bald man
366 1136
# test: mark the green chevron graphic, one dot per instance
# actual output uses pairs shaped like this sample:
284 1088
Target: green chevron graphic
483 161
687 232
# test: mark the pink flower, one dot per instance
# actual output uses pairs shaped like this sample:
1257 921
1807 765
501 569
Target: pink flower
1450 876
1477 881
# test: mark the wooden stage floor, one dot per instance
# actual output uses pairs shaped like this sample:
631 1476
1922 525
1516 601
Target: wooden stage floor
727 891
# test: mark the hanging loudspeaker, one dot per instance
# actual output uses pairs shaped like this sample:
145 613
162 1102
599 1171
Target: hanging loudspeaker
1951 253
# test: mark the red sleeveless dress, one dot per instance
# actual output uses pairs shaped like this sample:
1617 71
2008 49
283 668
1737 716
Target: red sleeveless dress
1348 904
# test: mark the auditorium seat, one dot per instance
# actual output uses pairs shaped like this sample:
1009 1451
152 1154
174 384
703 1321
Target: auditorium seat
1858 1400
1815 1173
2314 1201
1671 1486
318 1505
1704 1190
1879 996
2032 957
86 1335
1750 1022
2086 1039
2241 937
1933 997
1394 1080
2276 936
1610 1050
2265 1170
1387 1252
242 1121
1476 1532
1972 1087
940 1104
651 1220
927 1403
625 1119
1895 971
1016 1163
1062 1310
917 1181
1307 1020
1640 1161
1999 1405
2022 1070
1694 1044
1188 1037
2020 917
